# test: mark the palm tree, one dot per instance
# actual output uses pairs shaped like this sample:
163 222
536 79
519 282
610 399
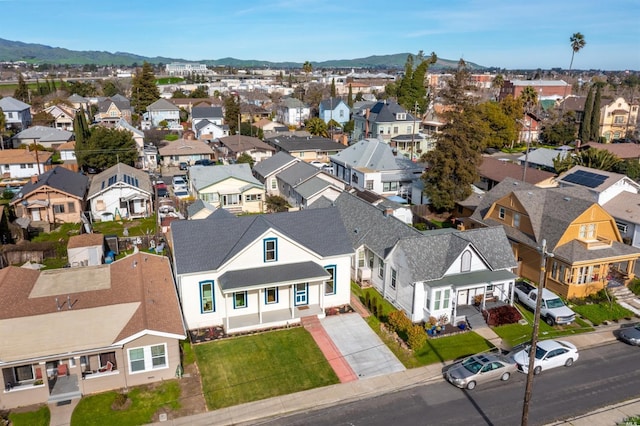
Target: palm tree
529 98
307 68
497 83
577 43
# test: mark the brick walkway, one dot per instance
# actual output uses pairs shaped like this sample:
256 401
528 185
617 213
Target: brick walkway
329 350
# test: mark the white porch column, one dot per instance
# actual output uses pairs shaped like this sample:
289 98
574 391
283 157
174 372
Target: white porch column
292 299
512 284
260 294
226 316
321 294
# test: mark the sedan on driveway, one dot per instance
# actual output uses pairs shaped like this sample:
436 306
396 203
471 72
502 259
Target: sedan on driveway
629 334
549 354
477 369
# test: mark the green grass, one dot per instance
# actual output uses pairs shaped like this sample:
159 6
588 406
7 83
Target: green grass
171 137
188 355
251 368
435 350
145 401
515 334
601 312
40 417
169 80
634 286
451 347
134 227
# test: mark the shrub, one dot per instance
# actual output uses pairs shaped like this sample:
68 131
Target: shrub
398 321
443 319
416 337
432 321
367 300
374 308
380 310
634 286
502 315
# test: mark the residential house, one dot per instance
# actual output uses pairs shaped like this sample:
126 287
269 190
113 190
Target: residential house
79 102
120 192
111 110
588 251
185 151
430 274
48 137
147 154
270 128
251 113
335 109
307 148
17 114
188 104
163 111
52 198
624 151
63 116
492 171
412 145
618 118
86 250
399 209
67 153
301 184
199 209
542 159
213 114
260 271
292 112
371 165
615 192
230 187
96 328
22 163
231 147
384 120
208 131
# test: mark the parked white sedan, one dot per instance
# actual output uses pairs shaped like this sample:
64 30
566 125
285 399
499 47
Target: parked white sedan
549 354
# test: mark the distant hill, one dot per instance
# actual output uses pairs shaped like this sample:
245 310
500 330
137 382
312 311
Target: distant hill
39 53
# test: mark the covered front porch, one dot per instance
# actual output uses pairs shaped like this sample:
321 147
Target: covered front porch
274 296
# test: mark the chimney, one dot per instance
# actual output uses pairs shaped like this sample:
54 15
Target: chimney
388 211
34 179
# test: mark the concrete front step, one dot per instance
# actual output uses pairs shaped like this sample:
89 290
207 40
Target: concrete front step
64 397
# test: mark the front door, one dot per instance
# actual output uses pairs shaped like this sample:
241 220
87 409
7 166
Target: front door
35 215
463 297
301 291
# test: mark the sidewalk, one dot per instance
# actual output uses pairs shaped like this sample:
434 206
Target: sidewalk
366 388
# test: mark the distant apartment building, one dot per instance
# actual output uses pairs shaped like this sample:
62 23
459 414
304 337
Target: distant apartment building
179 68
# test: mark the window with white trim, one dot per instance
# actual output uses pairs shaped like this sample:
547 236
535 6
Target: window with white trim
465 261
393 278
501 212
270 249
436 300
622 227
271 295
147 358
516 220
380 267
240 300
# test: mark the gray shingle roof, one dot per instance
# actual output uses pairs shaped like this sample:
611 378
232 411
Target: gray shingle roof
272 164
275 274
162 105
206 112
370 153
197 206
11 104
298 173
203 176
45 134
331 103
576 251
61 179
120 173
385 112
311 187
205 245
304 143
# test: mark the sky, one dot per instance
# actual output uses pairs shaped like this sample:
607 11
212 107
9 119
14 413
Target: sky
492 33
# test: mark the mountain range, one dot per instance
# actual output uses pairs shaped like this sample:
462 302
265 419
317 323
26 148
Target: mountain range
11 51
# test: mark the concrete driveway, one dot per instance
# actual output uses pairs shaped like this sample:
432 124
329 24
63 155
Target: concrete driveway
367 355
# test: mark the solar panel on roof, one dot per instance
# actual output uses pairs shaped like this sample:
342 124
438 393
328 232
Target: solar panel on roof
585 178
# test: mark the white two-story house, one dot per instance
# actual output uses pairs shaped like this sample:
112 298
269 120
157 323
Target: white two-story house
260 271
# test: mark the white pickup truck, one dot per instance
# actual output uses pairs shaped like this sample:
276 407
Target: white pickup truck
553 310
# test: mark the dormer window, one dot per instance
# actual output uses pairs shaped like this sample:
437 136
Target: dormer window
401 116
588 231
501 213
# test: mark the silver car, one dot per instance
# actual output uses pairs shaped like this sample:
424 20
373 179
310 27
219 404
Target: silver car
482 368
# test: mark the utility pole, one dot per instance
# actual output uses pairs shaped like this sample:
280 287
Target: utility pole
534 335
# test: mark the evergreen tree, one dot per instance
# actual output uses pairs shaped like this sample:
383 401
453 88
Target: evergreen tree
106 147
410 90
594 134
452 166
585 126
333 87
81 130
350 97
22 91
144 90
231 113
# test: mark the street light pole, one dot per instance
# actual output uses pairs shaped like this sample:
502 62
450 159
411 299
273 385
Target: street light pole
534 334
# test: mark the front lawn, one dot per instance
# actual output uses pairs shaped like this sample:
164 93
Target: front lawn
40 417
514 334
435 350
250 368
100 409
598 313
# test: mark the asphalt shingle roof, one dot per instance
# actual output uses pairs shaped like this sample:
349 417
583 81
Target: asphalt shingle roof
11 104
61 179
304 143
274 163
298 173
205 245
203 176
120 173
373 154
